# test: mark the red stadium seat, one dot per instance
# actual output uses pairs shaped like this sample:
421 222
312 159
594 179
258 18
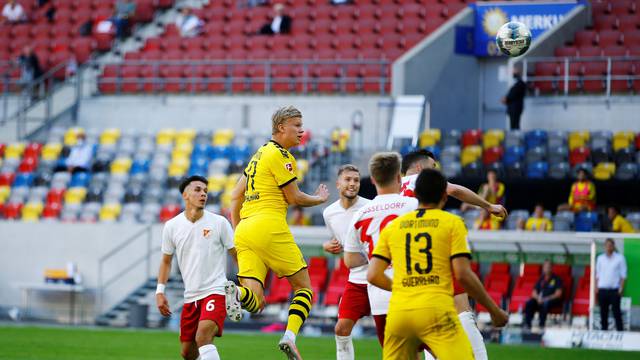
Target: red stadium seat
605 22
51 210
279 291
531 270
168 212
82 48
566 51
495 296
144 11
7 178
471 137
107 82
546 70
561 270
492 155
609 38
580 303
579 155
628 23
12 211
28 164
55 196
621 69
594 76
500 267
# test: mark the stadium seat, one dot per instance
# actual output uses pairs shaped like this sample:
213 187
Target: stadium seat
604 171
535 138
470 154
471 137
537 170
429 137
587 221
168 212
279 291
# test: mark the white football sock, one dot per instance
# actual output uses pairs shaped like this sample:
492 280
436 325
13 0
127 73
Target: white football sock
344 348
289 334
209 352
428 356
474 335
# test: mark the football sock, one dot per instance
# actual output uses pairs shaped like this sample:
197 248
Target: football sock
249 300
209 352
299 309
344 348
474 335
428 356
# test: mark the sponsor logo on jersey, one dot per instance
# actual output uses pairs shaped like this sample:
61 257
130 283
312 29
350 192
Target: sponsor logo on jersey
289 167
206 232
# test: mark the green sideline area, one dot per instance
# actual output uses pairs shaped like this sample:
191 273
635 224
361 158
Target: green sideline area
48 343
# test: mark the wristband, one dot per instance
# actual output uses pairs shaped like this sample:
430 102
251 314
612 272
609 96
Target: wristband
160 288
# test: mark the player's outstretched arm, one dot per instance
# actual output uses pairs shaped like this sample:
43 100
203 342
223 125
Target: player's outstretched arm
464 194
296 197
376 275
237 198
473 286
163 277
332 246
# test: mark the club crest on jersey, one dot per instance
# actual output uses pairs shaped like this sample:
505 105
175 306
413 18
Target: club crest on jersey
289 167
206 232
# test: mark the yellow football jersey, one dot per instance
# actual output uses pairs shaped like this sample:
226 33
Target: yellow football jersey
270 168
620 224
421 245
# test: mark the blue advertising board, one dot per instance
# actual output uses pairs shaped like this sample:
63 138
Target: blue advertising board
537 16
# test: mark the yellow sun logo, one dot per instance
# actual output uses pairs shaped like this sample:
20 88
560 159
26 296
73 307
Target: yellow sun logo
492 20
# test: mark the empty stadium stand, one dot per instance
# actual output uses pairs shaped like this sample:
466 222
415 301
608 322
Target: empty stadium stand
345 48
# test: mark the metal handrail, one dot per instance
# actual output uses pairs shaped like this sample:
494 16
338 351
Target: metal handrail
565 77
102 283
229 79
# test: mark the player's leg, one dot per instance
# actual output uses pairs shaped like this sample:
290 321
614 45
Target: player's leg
188 328
212 314
189 350
530 308
302 300
443 333
468 321
354 304
381 324
252 273
204 340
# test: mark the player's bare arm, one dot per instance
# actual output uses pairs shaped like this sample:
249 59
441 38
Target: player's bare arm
234 254
376 275
163 277
473 286
296 197
237 198
354 259
464 194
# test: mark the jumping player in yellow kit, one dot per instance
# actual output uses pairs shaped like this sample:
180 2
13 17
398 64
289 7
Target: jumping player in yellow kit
427 247
262 237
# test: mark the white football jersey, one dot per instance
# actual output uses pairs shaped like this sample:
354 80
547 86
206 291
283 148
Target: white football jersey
337 220
409 185
201 250
364 232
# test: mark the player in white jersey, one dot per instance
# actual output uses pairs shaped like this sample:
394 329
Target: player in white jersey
412 165
354 303
367 223
200 241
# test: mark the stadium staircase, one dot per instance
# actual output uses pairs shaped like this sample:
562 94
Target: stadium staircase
119 315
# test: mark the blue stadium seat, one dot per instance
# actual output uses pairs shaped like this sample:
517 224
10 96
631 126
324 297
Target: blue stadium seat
140 166
435 150
217 152
514 170
513 155
407 149
587 221
80 179
23 179
535 138
201 150
537 170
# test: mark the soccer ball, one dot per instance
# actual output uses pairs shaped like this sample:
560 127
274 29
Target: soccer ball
513 38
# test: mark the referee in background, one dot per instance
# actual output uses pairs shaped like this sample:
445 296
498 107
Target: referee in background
611 273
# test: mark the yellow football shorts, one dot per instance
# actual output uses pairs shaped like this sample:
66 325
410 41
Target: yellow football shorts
263 243
438 328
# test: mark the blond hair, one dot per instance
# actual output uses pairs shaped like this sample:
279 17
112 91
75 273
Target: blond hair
384 167
283 114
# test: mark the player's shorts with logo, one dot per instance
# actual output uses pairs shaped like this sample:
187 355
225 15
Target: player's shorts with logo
212 307
354 303
263 243
438 328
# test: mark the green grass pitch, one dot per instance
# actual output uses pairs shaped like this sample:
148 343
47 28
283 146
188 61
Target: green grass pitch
54 343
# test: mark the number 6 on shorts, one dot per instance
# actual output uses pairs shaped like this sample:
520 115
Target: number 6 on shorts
211 304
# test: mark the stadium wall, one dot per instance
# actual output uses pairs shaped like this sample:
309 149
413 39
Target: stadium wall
446 79
321 113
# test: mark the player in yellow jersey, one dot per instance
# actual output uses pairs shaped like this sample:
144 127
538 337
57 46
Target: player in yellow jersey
259 215
427 247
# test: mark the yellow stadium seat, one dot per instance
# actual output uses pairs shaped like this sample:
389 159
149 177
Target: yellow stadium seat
430 137
31 211
185 134
578 139
470 154
110 212
165 136
51 151
343 142
14 151
492 138
5 191
217 183
230 183
177 169
622 140
71 135
110 136
75 195
604 171
121 166
183 148
223 137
